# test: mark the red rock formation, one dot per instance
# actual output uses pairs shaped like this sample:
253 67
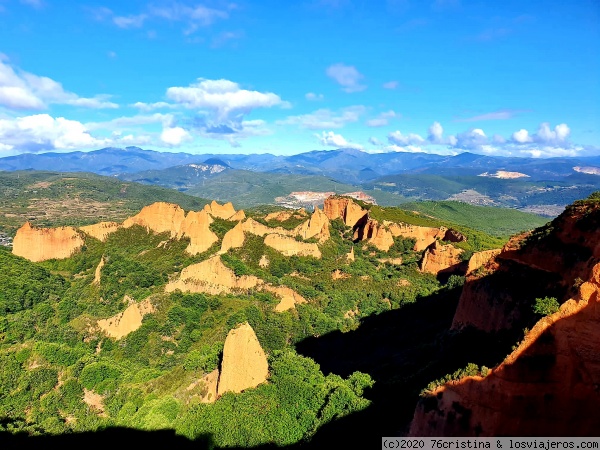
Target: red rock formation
479 259
101 230
40 244
440 258
547 387
346 209
424 236
221 211
196 227
127 321
289 297
375 234
317 226
454 236
159 217
289 246
234 238
244 363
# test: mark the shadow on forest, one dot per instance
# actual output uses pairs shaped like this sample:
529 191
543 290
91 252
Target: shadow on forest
403 350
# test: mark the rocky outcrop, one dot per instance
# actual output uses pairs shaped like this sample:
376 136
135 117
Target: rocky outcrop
350 255
41 244
478 259
240 215
424 236
315 227
128 321
196 227
98 271
208 386
253 227
221 211
546 262
163 217
264 262
159 217
375 234
439 258
344 208
548 386
244 364
289 297
289 246
234 238
211 277
101 230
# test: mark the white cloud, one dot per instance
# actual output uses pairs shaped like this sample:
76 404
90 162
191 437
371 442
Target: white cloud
373 140
152 106
346 76
473 139
135 21
43 132
556 137
397 138
521 136
390 85
127 122
325 118
330 139
435 133
404 148
24 90
382 120
174 136
223 97
314 97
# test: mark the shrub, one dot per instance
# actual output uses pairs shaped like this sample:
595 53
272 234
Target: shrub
546 306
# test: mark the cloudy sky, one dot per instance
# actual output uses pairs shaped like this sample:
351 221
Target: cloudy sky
442 76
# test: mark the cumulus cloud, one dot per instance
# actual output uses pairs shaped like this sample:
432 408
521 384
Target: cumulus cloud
223 97
473 139
43 132
521 136
325 118
20 90
313 97
382 120
435 133
174 136
330 139
346 76
152 106
397 138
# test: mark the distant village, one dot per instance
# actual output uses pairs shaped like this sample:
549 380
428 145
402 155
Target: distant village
5 240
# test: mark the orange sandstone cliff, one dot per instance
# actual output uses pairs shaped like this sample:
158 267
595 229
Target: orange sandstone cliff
101 230
244 362
548 386
344 208
439 258
40 244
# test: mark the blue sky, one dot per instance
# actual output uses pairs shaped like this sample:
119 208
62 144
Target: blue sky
505 77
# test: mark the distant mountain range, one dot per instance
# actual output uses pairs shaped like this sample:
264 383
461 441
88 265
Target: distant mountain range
391 178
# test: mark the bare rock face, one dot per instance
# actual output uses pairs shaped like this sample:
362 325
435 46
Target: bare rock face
128 321
264 261
101 230
548 386
240 215
478 259
40 244
163 217
98 272
346 209
221 211
375 234
317 226
211 277
208 386
253 227
279 216
440 258
350 255
159 217
289 297
234 238
244 363
424 236
196 226
290 247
